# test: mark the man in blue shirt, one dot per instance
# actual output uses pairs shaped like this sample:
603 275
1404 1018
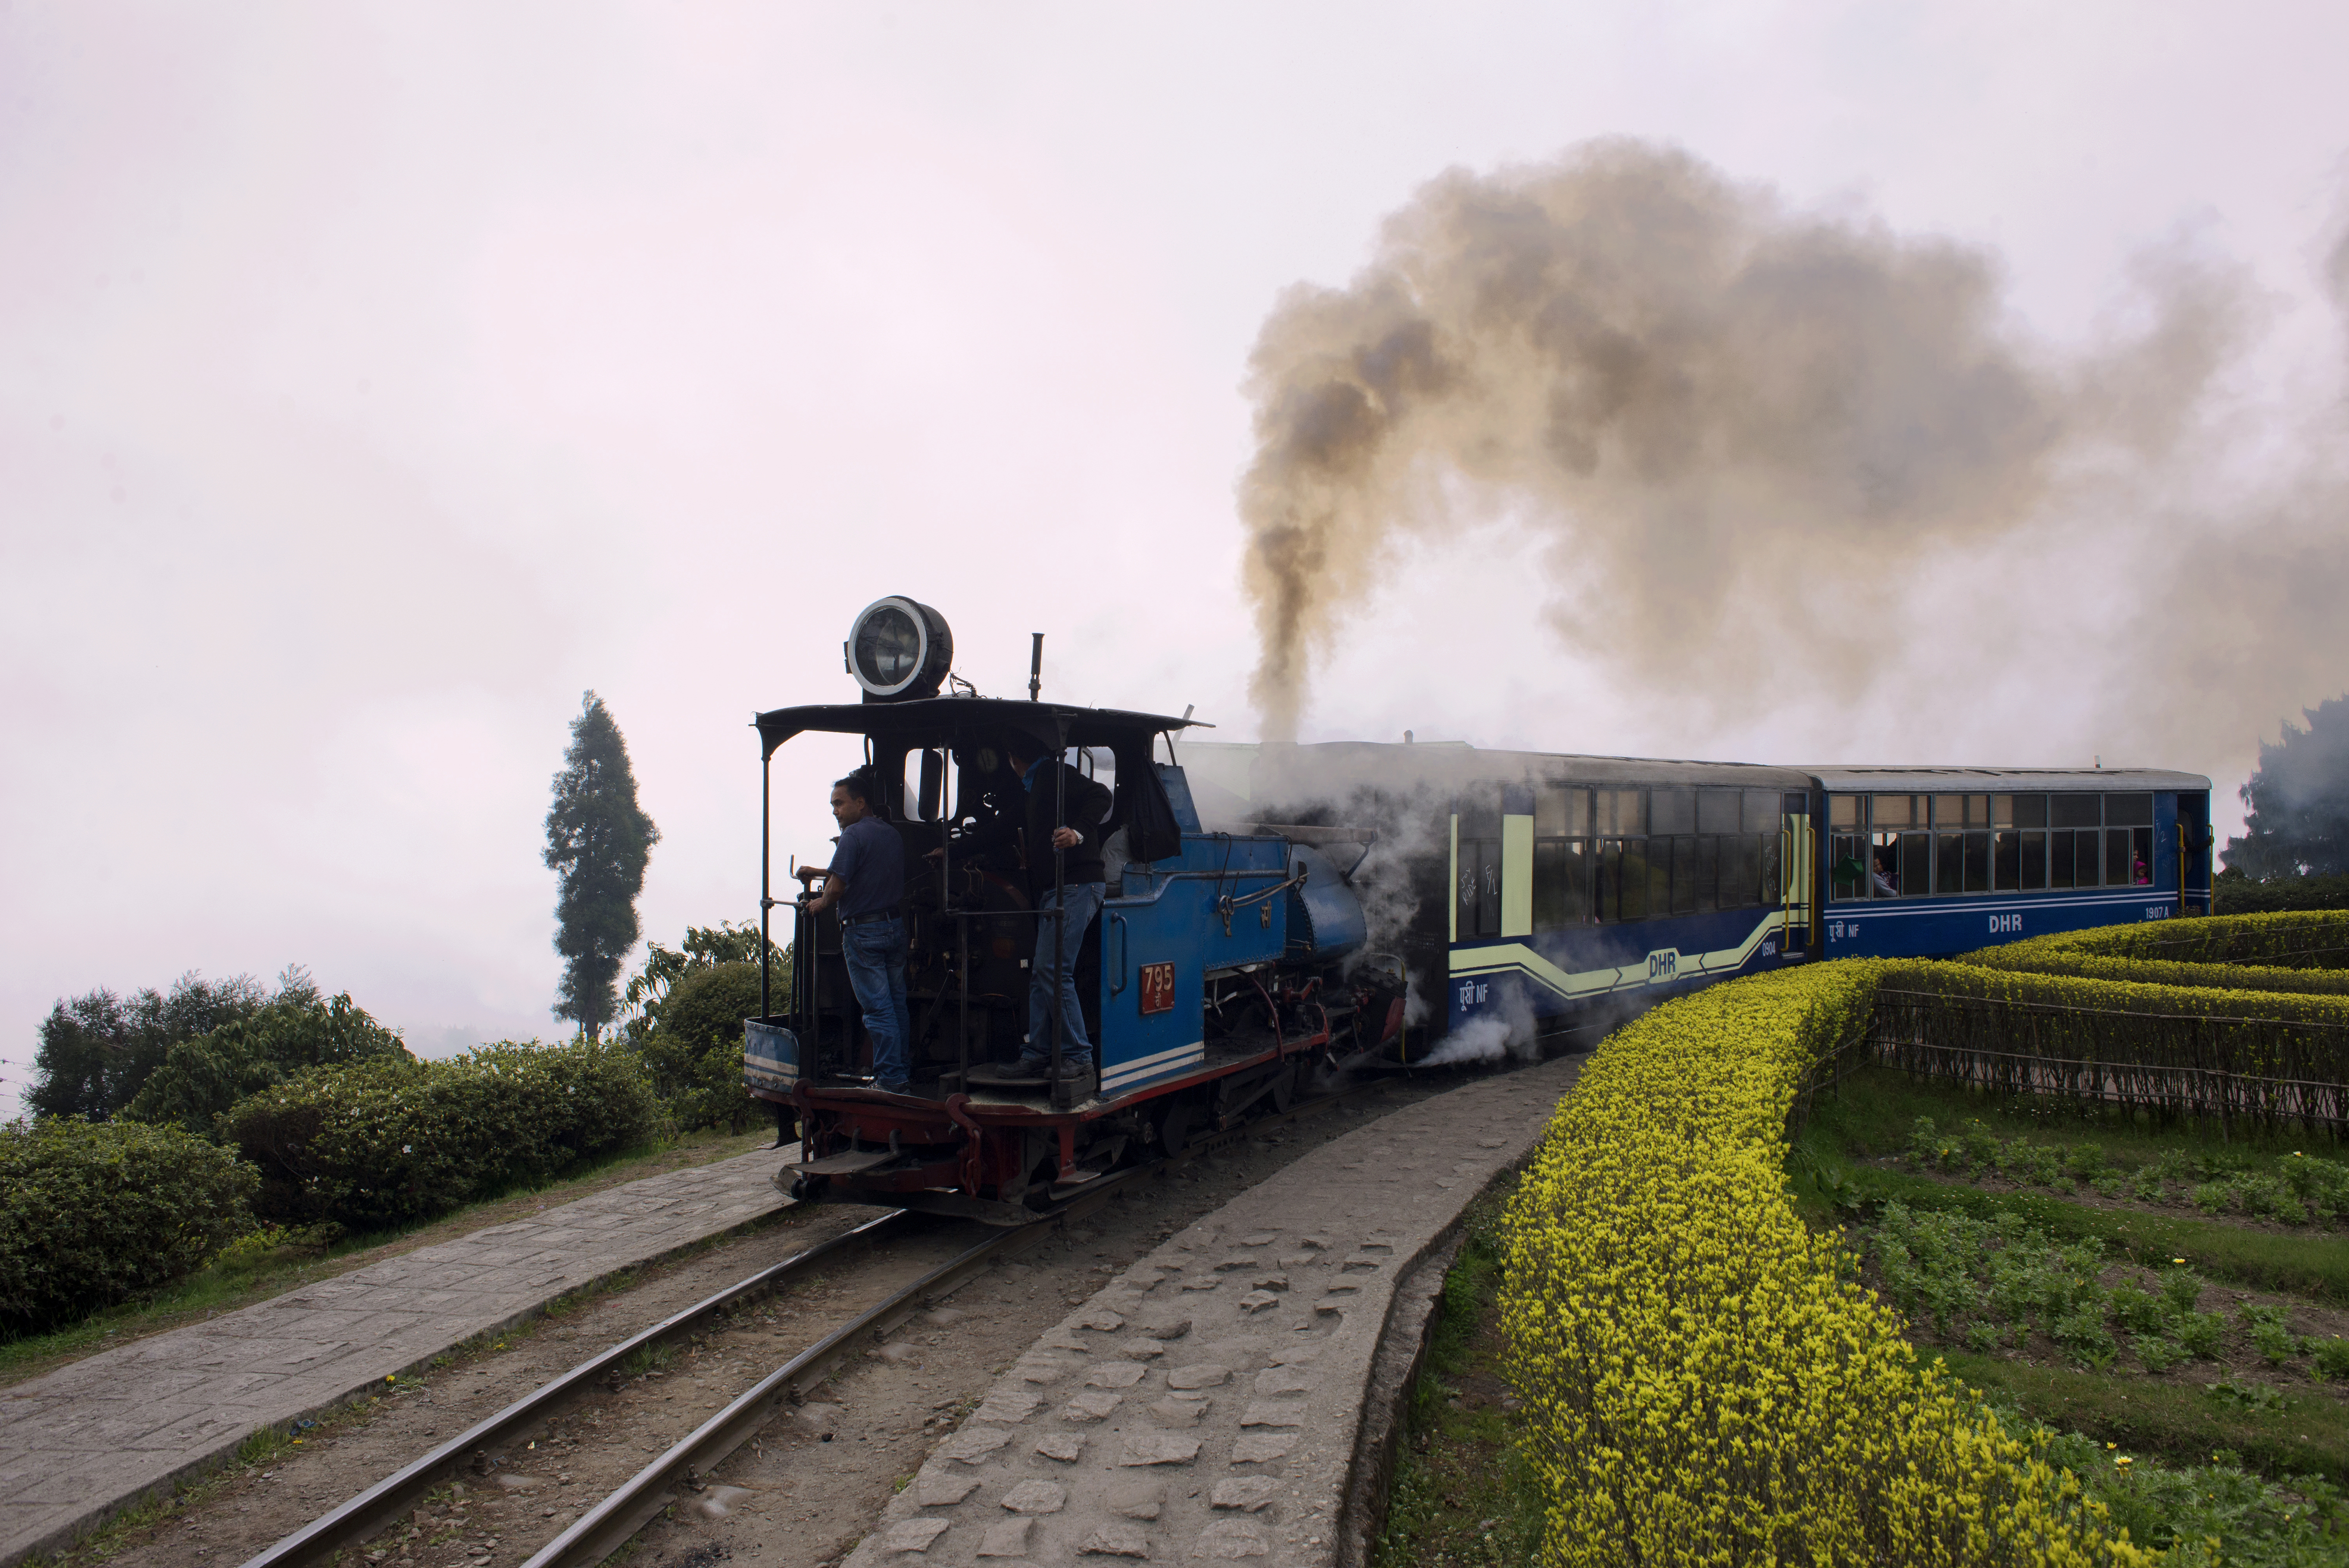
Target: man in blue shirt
1078 836
867 882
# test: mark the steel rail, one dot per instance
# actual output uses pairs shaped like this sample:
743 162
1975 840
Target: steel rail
612 1524
627 1511
365 1515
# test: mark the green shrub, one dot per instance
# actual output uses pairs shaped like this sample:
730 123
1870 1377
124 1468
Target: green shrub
2232 892
2280 952
1991 981
2275 1344
201 1079
2141 1312
2329 1358
391 1140
2203 1334
694 1054
94 1213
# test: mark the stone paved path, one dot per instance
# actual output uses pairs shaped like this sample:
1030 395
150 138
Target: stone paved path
1207 1404
89 1439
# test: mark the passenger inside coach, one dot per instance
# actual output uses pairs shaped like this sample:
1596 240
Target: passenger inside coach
1885 879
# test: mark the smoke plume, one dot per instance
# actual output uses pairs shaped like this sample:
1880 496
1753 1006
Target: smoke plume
1720 419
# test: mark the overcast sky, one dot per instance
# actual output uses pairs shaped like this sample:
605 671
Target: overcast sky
374 379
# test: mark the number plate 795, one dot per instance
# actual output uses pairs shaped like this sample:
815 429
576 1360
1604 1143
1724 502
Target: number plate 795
1158 988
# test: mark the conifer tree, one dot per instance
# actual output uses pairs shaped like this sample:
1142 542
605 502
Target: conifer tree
2298 823
598 840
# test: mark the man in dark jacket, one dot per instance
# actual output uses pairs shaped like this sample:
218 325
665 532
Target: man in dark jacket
1078 836
867 882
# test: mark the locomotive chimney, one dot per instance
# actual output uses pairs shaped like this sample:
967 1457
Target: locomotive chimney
1035 665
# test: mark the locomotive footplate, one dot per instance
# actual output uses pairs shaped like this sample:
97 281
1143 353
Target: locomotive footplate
847 1164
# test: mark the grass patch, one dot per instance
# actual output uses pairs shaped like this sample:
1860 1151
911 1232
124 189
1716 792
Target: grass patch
249 1275
1462 1492
1875 1113
2313 1266
2186 1423
647 1358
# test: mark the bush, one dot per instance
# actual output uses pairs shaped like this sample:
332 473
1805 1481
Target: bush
201 1079
2233 892
391 1140
94 1213
1702 1380
2302 952
2099 994
695 1052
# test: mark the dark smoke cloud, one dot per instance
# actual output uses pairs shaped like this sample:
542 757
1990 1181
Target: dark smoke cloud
1719 417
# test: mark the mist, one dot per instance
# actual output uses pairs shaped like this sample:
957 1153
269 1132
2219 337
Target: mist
1762 455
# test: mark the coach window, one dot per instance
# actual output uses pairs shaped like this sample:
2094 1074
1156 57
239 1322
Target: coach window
1742 849
1479 870
2128 840
1962 843
1619 822
1562 857
1899 846
2031 832
2075 824
1846 846
2006 845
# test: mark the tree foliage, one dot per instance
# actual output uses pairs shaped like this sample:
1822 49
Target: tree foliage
597 842
686 1008
2298 823
97 1049
705 946
201 1079
695 1056
2234 891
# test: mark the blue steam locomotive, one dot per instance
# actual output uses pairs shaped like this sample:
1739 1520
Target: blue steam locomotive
1278 914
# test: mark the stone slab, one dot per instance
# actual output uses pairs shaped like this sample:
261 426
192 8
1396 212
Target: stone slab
1248 1435
95 1437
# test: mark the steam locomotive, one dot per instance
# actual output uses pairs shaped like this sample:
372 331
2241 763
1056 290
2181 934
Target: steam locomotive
1277 914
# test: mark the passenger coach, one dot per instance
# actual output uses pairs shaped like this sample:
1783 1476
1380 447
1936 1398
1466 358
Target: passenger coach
1550 882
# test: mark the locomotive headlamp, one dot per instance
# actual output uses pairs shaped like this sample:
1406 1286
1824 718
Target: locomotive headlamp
899 650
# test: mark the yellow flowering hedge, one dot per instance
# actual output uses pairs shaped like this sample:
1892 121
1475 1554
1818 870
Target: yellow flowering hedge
2304 952
1704 1383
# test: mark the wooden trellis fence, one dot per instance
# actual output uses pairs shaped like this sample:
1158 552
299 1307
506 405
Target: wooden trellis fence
2268 1073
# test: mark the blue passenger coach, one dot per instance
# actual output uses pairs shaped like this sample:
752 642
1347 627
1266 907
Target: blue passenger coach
1938 860
1565 886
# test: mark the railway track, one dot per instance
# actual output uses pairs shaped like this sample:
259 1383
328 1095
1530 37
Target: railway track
677 1471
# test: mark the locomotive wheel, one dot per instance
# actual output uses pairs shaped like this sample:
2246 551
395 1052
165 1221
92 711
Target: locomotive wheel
1284 1089
1175 1130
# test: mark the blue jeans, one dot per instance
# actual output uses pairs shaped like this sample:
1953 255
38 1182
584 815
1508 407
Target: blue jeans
876 954
1084 902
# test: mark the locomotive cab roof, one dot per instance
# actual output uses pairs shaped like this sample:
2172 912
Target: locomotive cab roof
955 719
